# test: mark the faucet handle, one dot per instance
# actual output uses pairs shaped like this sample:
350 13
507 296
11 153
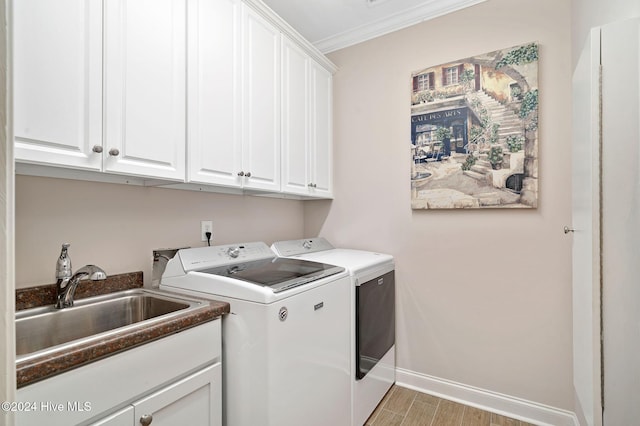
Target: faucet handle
63 266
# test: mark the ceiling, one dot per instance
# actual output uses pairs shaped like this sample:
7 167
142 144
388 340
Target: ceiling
334 24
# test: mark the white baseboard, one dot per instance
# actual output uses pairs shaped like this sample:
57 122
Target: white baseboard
505 405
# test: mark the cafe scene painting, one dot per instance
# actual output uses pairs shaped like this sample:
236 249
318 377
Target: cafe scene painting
474 132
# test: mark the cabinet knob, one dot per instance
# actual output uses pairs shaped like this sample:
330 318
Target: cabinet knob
248 174
312 185
114 152
240 173
97 149
146 420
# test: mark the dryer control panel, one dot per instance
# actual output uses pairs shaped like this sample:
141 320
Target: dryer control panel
297 247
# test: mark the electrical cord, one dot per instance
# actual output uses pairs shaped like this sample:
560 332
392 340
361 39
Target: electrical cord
208 235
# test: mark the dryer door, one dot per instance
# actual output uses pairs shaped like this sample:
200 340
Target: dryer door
375 321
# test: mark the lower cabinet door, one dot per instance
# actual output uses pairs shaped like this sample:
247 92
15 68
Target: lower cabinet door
123 417
195 400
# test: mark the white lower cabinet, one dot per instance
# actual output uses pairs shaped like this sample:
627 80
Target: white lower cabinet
194 400
175 380
124 417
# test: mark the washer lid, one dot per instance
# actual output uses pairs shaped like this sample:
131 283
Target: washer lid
277 273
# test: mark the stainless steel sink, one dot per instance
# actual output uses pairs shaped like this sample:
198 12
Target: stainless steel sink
45 329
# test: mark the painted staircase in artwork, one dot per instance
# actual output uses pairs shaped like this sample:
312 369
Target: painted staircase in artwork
510 124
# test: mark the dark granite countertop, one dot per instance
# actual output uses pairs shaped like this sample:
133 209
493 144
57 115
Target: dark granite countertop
41 367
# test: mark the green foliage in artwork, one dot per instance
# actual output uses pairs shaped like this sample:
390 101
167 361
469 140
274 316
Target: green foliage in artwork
469 162
514 142
475 133
516 92
529 103
520 56
467 75
443 133
426 97
495 155
493 133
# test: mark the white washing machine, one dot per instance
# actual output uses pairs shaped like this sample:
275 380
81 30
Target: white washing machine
285 349
372 319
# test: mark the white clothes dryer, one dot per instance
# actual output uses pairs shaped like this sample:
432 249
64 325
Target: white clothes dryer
372 322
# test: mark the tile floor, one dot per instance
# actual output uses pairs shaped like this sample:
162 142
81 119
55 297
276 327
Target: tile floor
406 407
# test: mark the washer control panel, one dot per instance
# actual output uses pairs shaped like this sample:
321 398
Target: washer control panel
194 259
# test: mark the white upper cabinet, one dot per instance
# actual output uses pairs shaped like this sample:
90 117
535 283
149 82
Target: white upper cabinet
214 107
216 93
57 75
321 131
261 103
296 178
234 97
100 85
145 87
306 124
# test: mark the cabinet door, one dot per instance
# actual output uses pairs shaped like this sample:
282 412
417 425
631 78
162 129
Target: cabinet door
57 72
261 103
145 87
296 178
195 400
124 417
214 138
321 131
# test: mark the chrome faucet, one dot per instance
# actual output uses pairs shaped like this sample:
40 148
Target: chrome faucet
66 287
66 281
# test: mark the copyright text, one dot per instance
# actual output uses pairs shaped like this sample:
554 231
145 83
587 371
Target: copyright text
48 406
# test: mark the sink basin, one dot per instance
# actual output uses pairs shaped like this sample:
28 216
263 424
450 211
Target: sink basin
48 329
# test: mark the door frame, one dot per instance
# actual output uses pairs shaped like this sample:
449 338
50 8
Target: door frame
586 221
7 222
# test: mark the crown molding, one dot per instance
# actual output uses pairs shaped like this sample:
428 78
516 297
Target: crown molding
429 10
266 12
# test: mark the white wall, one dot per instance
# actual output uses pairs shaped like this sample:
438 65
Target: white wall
483 297
117 226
